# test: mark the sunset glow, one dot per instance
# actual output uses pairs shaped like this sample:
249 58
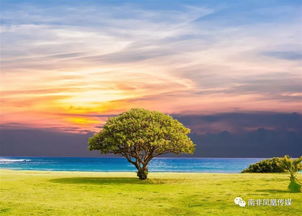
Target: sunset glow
70 67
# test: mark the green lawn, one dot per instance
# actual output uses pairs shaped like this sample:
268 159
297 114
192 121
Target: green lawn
42 193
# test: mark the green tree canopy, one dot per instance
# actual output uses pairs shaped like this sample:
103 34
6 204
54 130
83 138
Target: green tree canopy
140 135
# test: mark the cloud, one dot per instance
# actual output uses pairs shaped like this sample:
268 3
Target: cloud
216 135
103 58
241 122
280 86
287 55
47 142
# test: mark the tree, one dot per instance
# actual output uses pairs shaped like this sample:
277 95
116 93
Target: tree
293 166
140 135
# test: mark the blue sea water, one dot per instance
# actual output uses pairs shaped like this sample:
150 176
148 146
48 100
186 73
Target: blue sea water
207 165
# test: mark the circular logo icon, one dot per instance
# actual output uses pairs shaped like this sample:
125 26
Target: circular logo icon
242 203
237 200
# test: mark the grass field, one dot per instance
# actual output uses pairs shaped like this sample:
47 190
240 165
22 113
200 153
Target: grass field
42 193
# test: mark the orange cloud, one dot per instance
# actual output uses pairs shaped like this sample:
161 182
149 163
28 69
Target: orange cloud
62 75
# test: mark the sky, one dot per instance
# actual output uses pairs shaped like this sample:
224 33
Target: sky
69 65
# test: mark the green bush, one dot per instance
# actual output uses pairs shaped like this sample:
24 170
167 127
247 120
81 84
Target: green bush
272 165
292 166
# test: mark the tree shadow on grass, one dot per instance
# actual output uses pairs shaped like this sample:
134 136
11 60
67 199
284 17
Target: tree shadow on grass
107 180
274 191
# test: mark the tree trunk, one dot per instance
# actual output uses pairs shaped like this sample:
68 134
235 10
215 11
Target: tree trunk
294 185
142 173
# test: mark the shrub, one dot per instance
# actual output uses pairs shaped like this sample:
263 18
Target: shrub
277 165
272 165
292 166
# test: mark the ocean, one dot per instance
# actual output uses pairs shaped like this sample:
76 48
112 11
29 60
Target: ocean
198 165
